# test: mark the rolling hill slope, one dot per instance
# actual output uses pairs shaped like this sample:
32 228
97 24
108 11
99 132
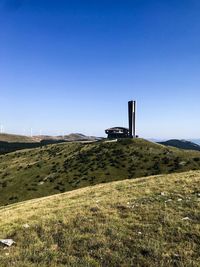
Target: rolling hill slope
16 138
63 167
183 144
10 142
151 221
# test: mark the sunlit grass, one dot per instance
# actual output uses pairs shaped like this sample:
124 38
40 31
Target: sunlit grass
127 223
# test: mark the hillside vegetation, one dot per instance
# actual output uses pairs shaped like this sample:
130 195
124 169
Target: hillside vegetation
183 144
63 167
152 221
10 142
8 147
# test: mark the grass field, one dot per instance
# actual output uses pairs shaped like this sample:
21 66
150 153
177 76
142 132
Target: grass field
152 221
64 167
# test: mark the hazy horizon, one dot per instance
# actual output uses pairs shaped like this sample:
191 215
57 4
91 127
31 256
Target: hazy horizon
154 139
71 66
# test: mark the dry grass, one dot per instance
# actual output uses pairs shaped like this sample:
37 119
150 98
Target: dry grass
127 223
15 138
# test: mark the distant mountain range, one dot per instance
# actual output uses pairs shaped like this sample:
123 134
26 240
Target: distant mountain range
12 142
13 138
71 137
183 144
196 141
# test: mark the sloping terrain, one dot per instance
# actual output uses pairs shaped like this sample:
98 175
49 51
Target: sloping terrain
63 167
15 138
80 137
183 144
10 143
8 147
196 141
70 137
152 221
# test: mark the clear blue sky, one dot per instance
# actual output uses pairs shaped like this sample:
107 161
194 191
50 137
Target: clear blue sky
72 65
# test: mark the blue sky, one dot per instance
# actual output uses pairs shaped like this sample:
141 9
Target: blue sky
72 65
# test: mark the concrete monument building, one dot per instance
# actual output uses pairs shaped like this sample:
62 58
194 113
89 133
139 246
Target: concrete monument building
122 132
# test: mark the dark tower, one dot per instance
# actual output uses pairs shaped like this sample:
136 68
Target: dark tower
131 118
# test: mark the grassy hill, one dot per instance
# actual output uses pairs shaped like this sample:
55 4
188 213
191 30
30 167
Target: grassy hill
63 167
183 144
151 221
13 138
8 147
70 137
10 143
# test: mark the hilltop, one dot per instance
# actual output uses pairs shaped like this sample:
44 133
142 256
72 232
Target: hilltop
151 221
183 144
64 167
